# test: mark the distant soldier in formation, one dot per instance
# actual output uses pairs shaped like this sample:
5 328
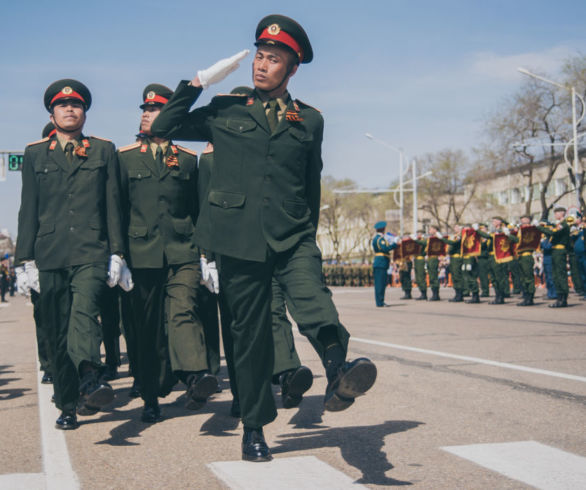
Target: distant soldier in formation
419 265
382 248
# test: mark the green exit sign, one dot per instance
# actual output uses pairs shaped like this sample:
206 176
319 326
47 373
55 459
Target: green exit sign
15 162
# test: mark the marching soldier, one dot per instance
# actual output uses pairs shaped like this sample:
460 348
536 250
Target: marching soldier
560 240
483 261
380 264
69 225
405 268
470 276
160 208
455 244
433 265
419 264
265 189
497 269
526 264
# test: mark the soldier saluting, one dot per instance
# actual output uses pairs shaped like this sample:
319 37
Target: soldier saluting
69 225
265 190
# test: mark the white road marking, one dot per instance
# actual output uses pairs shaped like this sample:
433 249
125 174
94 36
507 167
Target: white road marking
529 462
59 474
478 360
304 472
22 481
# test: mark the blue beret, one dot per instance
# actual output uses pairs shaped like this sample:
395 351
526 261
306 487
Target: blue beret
380 224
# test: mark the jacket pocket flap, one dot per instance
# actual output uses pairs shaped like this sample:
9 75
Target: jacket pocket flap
300 135
183 226
46 228
295 208
91 164
45 167
240 125
138 173
226 199
137 231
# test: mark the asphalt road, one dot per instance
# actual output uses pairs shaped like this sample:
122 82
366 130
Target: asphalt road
467 396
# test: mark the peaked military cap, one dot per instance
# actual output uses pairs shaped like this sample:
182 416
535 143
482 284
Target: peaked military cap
379 225
49 130
155 94
280 30
67 89
559 209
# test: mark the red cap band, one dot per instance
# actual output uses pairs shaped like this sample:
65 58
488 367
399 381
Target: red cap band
71 95
283 38
157 98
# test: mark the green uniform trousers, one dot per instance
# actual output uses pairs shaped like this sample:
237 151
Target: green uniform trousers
286 357
470 274
432 271
575 273
405 278
515 271
499 273
483 273
42 334
70 306
559 269
526 264
456 271
420 278
247 286
167 327
110 316
208 313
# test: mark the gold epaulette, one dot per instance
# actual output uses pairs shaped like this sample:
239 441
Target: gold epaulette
187 150
39 141
101 139
129 147
306 105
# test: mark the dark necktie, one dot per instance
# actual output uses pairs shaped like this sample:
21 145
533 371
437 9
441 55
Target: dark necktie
69 151
159 158
272 115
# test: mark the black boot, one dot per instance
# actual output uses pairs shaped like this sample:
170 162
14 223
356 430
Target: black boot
406 295
561 302
525 301
423 295
458 297
530 299
499 299
434 295
475 299
254 446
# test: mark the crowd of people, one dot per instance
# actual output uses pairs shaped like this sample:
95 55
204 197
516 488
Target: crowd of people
149 234
477 256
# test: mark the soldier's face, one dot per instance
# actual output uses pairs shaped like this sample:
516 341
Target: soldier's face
525 221
68 115
270 67
559 215
149 114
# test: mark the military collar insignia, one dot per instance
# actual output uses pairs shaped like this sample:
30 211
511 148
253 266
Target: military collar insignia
250 101
172 161
53 145
143 148
80 150
174 150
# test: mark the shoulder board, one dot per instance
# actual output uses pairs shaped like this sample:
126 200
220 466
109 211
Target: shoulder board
39 141
129 147
187 150
230 95
101 139
300 102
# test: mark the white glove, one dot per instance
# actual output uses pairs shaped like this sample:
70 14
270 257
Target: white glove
535 222
220 70
114 269
209 275
413 236
32 275
475 226
506 230
439 235
125 282
21 281
397 240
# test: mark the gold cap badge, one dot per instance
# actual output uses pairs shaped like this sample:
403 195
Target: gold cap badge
67 90
150 95
274 29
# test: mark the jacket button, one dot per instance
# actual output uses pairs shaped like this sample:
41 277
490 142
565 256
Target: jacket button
139 176
224 204
46 170
71 228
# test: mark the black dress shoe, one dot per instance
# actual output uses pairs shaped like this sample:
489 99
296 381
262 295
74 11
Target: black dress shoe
235 409
294 384
66 421
47 378
199 388
134 390
151 413
94 394
254 446
53 398
350 380
110 373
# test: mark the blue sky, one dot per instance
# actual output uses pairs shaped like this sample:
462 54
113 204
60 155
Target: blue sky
421 75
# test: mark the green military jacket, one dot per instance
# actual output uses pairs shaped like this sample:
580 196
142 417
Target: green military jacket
70 212
159 205
559 236
264 188
454 244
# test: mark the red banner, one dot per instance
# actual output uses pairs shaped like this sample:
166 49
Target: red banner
409 247
503 251
397 254
529 238
435 247
470 245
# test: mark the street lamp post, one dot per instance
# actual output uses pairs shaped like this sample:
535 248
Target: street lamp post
401 156
575 122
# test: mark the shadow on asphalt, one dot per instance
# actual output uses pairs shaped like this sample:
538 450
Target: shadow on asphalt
10 393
